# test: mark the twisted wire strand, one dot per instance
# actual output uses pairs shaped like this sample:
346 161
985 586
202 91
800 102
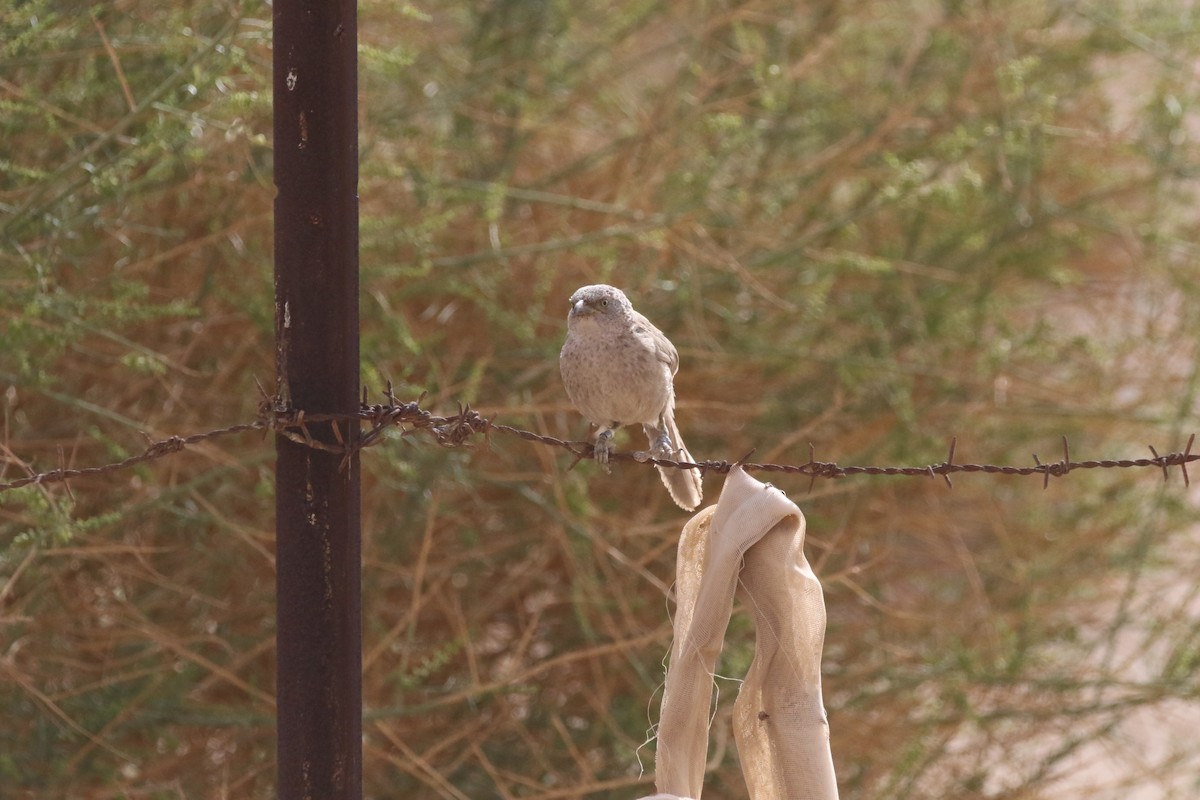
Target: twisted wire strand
458 430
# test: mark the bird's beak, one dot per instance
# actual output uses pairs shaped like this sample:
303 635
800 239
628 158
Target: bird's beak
581 308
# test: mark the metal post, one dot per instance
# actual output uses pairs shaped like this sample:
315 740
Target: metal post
318 547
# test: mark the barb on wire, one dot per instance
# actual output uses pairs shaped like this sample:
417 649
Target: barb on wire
459 429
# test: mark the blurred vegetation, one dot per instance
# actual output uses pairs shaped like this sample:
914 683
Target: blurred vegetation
869 226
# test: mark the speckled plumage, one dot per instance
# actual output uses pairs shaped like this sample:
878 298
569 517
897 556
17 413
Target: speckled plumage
618 369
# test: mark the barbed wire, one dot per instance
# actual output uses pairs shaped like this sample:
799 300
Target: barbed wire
459 429
155 450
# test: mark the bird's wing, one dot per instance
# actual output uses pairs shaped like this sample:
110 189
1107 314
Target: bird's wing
663 349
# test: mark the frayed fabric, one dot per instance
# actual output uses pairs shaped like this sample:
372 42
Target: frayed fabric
751 543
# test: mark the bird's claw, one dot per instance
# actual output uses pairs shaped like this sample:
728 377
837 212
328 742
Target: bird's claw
662 447
602 449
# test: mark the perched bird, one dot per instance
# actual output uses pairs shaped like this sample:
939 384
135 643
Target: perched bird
618 369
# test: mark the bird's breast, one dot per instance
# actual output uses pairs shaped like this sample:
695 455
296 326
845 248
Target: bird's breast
614 378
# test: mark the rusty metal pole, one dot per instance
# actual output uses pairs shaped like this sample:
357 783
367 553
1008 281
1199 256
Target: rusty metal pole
318 547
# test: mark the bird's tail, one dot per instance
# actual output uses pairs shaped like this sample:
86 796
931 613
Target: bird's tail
684 485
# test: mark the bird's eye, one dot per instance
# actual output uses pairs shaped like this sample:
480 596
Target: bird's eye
604 303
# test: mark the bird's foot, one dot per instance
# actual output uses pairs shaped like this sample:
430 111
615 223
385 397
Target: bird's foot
662 447
603 448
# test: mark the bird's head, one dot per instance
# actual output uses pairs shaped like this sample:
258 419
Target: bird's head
599 302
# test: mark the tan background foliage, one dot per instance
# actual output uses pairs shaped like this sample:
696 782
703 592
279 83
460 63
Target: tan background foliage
869 226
